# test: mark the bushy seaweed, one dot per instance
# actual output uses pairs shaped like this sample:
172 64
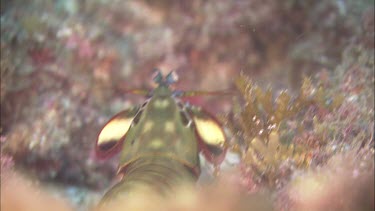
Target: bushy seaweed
272 132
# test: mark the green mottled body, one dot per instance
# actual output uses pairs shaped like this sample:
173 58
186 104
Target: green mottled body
160 150
160 143
160 131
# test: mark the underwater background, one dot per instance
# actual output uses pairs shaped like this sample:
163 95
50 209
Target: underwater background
300 122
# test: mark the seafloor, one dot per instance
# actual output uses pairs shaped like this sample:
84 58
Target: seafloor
300 121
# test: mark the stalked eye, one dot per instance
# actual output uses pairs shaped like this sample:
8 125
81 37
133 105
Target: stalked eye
171 78
113 132
158 77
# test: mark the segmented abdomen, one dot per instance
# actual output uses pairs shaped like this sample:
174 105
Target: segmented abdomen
153 174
